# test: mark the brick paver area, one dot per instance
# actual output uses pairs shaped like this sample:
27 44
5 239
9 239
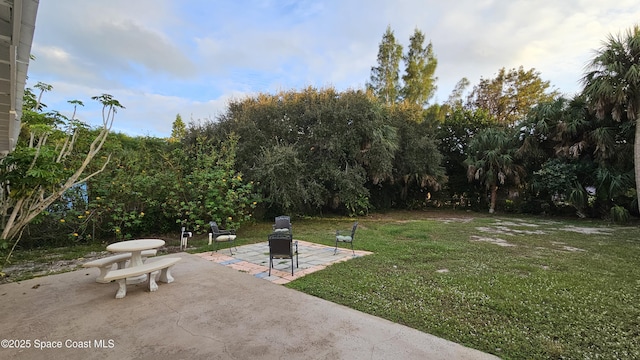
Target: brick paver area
254 259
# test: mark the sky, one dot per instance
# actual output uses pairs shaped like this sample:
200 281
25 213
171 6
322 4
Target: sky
161 58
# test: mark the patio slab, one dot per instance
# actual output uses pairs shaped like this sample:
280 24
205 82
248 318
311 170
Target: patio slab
254 259
210 311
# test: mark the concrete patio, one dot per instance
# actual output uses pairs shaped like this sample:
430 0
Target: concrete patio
254 259
211 311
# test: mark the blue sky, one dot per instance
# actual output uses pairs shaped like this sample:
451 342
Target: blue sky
160 58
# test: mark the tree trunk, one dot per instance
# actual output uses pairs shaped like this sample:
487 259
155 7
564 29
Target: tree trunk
12 218
494 196
636 160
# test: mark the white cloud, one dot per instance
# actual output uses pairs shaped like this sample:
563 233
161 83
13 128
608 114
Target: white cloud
160 58
144 113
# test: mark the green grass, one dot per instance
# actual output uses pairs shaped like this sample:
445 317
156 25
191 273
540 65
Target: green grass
534 300
554 294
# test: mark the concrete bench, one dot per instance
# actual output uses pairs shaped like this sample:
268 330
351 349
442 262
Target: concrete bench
148 269
105 264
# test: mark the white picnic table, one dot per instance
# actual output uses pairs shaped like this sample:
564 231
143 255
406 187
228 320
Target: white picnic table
135 247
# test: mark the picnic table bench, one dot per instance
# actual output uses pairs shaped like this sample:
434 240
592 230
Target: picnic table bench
106 264
147 269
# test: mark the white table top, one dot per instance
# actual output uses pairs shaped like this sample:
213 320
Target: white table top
135 245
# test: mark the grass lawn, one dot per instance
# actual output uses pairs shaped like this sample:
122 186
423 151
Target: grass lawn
515 286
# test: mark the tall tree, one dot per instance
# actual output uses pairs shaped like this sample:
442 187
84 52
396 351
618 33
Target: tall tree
178 129
331 143
612 85
454 134
455 98
385 78
491 160
511 94
420 67
47 162
568 153
416 161
557 150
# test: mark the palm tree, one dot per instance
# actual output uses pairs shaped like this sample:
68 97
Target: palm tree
612 85
491 160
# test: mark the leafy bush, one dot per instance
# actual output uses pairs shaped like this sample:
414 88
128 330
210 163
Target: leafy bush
203 185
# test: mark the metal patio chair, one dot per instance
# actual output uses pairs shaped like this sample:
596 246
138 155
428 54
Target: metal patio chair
216 235
282 246
282 224
346 236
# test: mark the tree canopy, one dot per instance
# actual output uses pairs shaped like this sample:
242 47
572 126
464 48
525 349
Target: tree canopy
511 94
612 85
420 67
385 78
322 149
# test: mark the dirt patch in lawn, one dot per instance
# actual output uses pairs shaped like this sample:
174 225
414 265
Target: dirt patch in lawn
565 247
455 220
587 230
495 241
516 227
443 215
